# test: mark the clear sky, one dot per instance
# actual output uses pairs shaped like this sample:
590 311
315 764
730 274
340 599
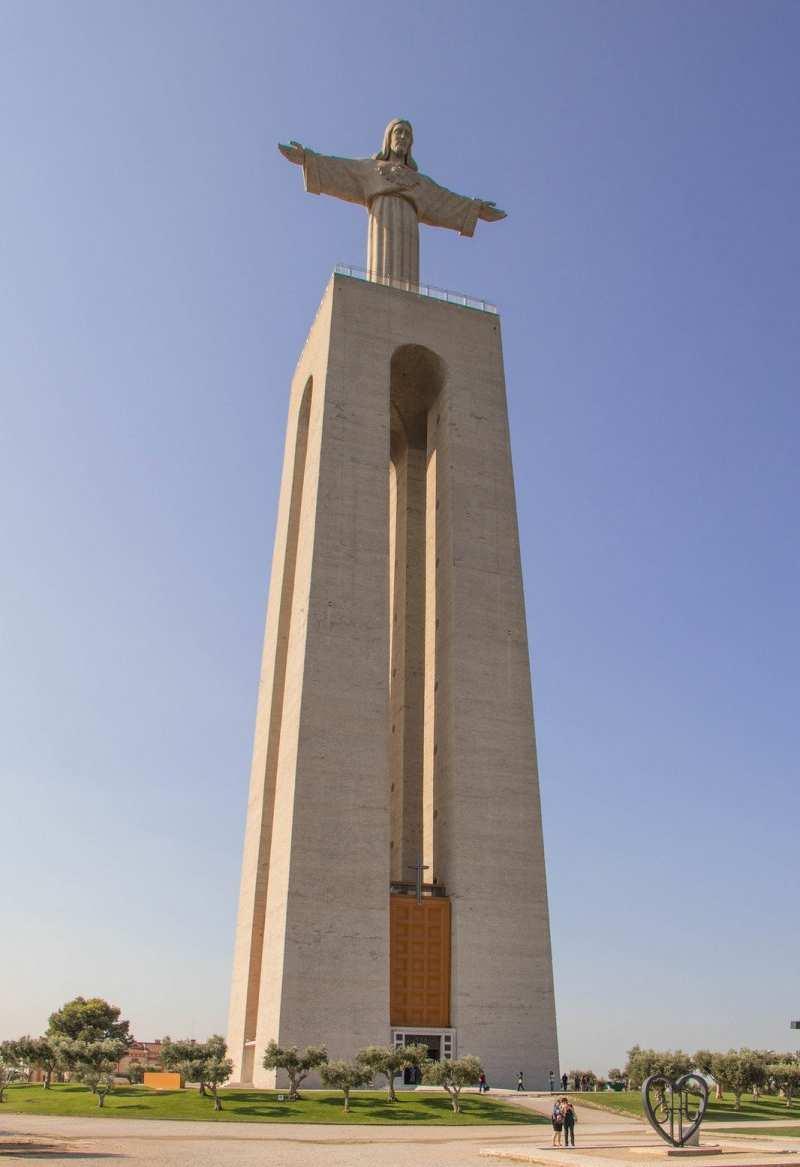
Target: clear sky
159 268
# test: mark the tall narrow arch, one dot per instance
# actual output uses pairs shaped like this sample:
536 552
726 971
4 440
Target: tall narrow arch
417 375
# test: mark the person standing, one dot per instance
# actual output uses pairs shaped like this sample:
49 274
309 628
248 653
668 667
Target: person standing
552 1078
520 1082
558 1123
569 1118
564 1080
482 1086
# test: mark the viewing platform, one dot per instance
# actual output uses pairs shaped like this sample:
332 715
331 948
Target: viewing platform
358 273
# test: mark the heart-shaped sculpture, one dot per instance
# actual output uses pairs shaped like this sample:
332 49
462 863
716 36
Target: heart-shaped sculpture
675 1109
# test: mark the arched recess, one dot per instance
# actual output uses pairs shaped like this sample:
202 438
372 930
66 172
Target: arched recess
275 720
416 380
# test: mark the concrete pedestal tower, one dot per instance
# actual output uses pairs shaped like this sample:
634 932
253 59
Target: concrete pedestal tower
393 883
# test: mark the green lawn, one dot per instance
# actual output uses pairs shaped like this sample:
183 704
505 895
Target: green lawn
773 1132
262 1106
630 1103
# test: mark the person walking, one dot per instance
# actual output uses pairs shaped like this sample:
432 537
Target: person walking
482 1086
569 1118
520 1082
558 1123
564 1080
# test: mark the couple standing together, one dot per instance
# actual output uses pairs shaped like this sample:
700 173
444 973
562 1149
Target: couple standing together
564 1119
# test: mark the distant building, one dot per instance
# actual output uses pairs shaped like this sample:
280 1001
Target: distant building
147 1053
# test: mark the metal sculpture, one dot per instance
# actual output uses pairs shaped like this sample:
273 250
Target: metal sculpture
675 1109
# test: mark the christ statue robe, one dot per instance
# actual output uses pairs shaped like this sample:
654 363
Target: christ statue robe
398 198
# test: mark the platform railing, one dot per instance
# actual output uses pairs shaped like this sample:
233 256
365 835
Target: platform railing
358 273
428 890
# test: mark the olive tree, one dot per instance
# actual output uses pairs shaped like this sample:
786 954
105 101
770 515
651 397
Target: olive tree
346 1076
453 1074
217 1069
703 1061
94 1062
9 1066
381 1059
39 1053
787 1077
738 1071
296 1065
642 1063
198 1061
136 1072
184 1057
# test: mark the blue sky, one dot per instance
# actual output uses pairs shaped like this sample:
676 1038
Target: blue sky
159 268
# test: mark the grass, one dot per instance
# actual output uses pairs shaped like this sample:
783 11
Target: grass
773 1132
263 1106
630 1103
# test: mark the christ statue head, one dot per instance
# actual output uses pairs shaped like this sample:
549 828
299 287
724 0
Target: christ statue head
398 138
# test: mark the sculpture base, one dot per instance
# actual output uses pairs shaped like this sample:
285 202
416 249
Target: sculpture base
694 1150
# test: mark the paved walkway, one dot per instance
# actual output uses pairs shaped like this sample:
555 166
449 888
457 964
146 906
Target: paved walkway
199 1144
155 1143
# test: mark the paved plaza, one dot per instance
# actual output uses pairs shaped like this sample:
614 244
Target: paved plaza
199 1144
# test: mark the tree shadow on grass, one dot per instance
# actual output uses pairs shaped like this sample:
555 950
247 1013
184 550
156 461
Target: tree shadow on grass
765 1109
268 1110
423 1110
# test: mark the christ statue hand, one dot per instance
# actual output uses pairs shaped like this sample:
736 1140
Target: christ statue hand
490 212
294 152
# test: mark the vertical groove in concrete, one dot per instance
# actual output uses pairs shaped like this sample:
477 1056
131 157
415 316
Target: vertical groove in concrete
429 850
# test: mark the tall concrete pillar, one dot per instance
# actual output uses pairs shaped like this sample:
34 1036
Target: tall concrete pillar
395 723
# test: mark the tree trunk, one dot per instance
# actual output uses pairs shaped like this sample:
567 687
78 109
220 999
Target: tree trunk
392 1095
101 1099
46 1079
203 1089
347 1101
737 1094
217 1102
453 1098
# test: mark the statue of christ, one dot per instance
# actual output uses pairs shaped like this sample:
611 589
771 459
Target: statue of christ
397 197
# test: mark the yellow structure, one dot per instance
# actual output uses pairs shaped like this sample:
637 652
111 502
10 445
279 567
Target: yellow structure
163 1081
